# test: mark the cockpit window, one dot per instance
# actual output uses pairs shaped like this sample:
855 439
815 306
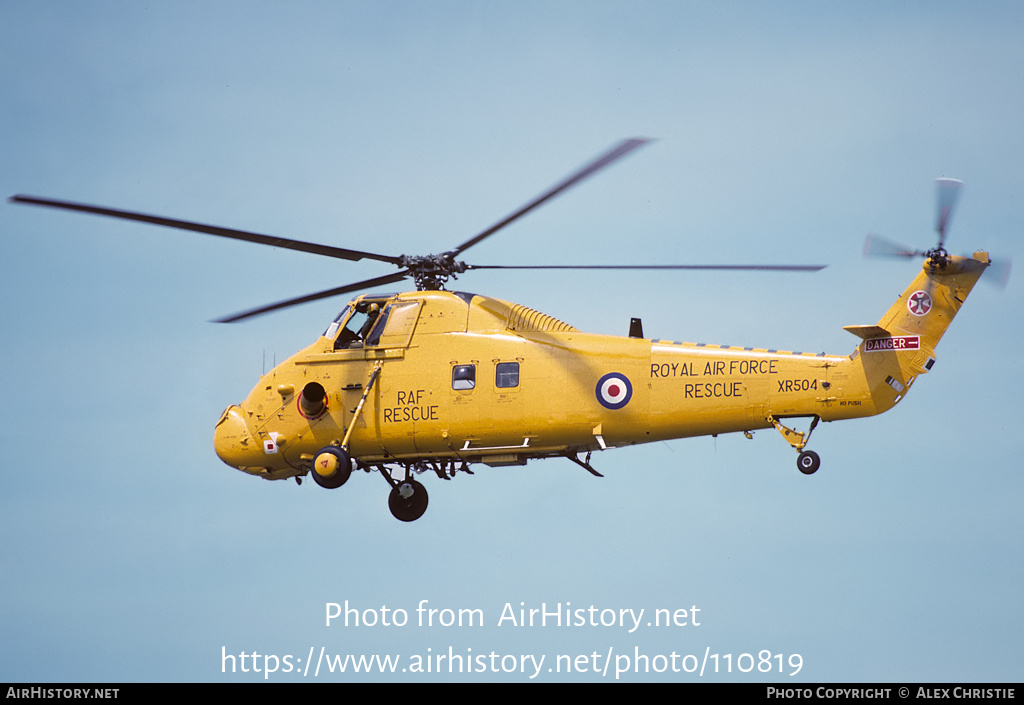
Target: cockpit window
394 326
355 322
373 324
372 338
332 330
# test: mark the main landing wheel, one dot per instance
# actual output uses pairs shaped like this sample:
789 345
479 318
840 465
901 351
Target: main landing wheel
408 500
807 462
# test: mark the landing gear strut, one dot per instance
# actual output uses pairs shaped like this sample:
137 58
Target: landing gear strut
808 461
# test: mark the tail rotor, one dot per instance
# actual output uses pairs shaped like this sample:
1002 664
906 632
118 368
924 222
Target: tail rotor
948 193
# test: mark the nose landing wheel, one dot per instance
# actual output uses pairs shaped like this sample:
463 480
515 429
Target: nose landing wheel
331 467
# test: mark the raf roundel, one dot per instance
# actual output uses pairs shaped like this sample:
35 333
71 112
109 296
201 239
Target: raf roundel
919 303
614 390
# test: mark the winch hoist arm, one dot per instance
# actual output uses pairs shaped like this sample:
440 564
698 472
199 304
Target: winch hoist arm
359 407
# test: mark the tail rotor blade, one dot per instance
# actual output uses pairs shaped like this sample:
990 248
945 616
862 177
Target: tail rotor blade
948 191
877 246
998 273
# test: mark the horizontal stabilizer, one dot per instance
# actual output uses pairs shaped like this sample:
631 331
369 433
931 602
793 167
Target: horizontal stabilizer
867 332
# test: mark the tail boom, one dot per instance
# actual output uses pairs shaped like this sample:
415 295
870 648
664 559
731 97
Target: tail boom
698 389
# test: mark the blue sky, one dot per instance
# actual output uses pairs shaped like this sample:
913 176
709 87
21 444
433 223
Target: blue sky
785 132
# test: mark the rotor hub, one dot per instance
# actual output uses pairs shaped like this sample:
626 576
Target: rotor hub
938 258
431 272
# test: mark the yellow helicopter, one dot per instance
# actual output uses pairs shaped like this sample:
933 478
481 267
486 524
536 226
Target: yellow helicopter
436 380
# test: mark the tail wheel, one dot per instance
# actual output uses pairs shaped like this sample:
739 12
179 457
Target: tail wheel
332 467
408 500
808 462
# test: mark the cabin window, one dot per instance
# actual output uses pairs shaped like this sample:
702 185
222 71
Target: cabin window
506 375
463 377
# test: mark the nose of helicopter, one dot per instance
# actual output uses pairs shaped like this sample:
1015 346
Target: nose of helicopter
233 442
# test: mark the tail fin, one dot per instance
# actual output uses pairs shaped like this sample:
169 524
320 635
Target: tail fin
929 304
902 344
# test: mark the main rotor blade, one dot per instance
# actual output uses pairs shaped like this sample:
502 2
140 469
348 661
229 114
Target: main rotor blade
326 250
619 151
387 279
948 190
742 267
